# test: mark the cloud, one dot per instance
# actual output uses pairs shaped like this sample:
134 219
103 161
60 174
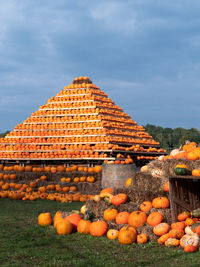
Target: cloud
143 53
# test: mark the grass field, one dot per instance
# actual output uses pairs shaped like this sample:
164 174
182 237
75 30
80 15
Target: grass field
24 243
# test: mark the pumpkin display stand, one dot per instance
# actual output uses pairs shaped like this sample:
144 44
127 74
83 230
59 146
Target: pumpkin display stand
115 175
184 192
80 125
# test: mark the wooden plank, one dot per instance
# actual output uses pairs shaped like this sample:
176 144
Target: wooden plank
182 203
171 198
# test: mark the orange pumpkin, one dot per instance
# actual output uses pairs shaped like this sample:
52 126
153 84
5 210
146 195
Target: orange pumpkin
110 214
63 227
126 237
154 218
161 240
112 234
118 199
142 238
176 233
161 229
183 216
190 248
83 227
98 228
196 172
146 206
122 217
137 219
45 219
160 203
74 220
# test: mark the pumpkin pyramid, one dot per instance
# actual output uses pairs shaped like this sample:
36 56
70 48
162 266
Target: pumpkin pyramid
80 122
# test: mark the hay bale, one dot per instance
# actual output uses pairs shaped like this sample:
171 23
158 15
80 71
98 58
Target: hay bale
97 207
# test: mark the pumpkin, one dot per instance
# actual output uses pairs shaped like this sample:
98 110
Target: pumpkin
181 155
160 203
196 228
110 214
83 227
189 221
181 169
97 169
126 237
142 238
112 234
119 199
129 228
161 240
166 186
178 225
45 219
98 228
172 242
183 216
190 248
154 218
107 190
122 217
189 240
137 219
176 233
74 220
146 206
175 151
63 227
161 229
192 155
196 172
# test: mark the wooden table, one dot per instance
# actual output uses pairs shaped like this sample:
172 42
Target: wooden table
184 194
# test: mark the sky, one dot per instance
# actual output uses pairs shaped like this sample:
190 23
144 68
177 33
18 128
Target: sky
145 54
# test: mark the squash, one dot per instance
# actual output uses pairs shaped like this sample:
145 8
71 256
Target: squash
181 169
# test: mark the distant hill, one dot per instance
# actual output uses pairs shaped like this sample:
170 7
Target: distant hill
172 138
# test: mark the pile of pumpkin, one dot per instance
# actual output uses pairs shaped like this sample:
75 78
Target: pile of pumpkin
189 151
184 233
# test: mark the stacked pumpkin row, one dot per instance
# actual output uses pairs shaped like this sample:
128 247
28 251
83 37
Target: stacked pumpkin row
52 169
77 132
64 190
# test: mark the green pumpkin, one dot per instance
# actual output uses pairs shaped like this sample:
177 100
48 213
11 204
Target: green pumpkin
180 171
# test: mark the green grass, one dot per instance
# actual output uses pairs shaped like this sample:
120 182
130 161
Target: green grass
24 243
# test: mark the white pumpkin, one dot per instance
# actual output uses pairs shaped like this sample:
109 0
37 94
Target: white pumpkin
192 240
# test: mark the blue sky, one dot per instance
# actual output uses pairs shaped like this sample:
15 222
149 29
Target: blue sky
145 54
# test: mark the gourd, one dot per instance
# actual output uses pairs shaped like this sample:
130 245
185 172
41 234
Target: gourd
181 169
189 240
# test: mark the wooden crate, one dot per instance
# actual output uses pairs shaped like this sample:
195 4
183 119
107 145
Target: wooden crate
184 194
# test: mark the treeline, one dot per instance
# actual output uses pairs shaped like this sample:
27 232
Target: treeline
172 138
3 134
